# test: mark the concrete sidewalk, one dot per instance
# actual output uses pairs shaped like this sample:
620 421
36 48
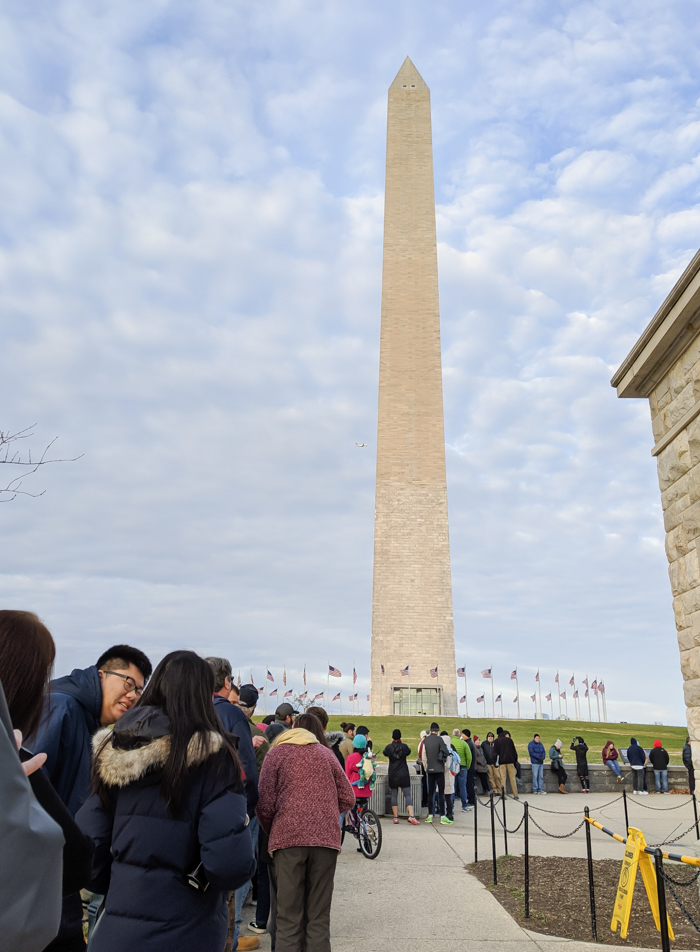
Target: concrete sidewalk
419 891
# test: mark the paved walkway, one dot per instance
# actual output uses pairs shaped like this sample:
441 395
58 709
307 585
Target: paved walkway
418 892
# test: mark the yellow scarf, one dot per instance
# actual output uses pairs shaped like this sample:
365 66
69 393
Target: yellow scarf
296 735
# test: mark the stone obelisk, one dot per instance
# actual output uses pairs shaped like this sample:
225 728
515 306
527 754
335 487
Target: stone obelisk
412 621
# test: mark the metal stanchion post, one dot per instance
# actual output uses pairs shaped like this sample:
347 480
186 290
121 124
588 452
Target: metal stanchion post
476 831
627 819
493 840
695 811
527 860
591 890
505 832
661 890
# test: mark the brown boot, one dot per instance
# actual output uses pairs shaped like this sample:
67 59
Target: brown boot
561 788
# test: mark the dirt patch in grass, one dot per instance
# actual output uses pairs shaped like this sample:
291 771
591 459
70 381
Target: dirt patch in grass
559 900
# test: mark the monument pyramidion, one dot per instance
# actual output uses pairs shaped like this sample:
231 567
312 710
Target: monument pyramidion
413 653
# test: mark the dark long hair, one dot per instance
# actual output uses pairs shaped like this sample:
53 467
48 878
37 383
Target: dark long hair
27 653
182 686
311 723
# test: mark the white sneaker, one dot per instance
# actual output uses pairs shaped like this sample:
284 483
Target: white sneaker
645 793
543 792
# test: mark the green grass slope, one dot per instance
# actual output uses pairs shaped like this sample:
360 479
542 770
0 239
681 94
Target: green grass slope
594 733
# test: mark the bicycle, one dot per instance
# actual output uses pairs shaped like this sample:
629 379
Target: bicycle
364 824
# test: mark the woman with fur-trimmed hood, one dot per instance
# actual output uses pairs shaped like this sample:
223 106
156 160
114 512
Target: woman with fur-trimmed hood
168 818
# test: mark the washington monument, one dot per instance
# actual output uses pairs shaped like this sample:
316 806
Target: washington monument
412 626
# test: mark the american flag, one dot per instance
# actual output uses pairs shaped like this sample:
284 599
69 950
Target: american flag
563 694
586 694
284 677
354 675
463 699
261 690
333 672
480 700
273 693
537 676
514 675
548 697
585 681
337 697
303 696
571 682
556 678
368 697
382 667
601 688
460 672
515 699
288 693
304 675
404 672
486 673
498 699
318 697
269 677
594 686
433 672
533 697
575 695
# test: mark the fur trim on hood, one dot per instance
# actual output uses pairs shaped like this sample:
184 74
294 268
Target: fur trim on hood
118 767
335 737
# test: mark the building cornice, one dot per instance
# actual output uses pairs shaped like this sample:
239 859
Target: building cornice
668 335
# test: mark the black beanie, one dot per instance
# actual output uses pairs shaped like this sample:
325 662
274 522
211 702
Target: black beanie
396 734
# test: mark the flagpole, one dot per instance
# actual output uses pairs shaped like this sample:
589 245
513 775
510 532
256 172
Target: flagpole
588 695
605 707
517 688
597 703
566 704
559 691
466 694
493 703
265 701
539 688
501 705
551 706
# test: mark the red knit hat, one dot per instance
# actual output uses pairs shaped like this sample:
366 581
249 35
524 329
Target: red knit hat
657 743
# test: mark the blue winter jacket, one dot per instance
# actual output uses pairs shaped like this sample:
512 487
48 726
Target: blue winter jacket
635 754
235 722
71 716
143 855
536 751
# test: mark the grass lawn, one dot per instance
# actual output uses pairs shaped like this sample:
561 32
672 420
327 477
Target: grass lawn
594 733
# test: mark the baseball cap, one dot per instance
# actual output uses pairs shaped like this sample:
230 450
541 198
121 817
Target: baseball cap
248 695
285 710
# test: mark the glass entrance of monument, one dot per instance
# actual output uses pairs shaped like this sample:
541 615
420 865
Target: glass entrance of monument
424 701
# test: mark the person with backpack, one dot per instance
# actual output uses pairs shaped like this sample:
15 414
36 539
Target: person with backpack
536 752
399 778
451 772
659 761
579 746
557 765
482 770
435 754
360 771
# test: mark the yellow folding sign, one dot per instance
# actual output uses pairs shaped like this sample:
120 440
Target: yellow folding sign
636 857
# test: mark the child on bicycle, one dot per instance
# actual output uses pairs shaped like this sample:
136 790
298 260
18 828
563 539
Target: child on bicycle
356 774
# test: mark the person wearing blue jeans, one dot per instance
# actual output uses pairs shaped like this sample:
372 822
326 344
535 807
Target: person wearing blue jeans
536 751
659 761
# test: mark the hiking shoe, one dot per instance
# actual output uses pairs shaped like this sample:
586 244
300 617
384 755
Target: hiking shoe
429 819
246 943
254 927
412 820
446 820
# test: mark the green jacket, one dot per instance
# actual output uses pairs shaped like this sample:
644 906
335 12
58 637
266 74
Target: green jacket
462 748
262 750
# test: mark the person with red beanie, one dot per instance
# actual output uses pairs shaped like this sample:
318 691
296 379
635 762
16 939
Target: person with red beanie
659 761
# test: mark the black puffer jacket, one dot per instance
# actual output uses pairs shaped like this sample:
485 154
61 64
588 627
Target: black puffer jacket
143 855
580 748
396 753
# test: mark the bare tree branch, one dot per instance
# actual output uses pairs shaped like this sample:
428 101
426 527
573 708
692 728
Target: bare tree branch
11 455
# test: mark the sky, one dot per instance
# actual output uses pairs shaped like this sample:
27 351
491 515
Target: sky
190 275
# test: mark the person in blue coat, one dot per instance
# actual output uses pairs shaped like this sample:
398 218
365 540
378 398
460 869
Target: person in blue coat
168 818
76 707
536 752
637 759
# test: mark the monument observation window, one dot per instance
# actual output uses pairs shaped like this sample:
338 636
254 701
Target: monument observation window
422 701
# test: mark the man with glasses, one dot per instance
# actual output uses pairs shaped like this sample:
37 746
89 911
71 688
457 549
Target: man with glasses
76 707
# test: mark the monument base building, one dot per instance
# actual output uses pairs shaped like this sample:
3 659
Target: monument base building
664 367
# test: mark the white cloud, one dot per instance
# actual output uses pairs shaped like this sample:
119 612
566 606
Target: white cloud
190 267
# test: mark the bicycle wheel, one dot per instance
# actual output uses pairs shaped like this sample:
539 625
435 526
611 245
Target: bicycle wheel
370 834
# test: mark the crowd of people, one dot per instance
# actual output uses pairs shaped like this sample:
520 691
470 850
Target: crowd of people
143 807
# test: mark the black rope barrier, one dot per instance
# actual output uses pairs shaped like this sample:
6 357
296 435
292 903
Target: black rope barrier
670 882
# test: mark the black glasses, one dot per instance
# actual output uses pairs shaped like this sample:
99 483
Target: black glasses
129 683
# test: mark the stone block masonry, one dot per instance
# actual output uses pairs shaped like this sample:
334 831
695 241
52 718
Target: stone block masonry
412 621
